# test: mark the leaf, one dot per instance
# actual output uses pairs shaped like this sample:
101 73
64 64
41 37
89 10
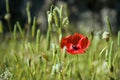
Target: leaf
65 21
1 27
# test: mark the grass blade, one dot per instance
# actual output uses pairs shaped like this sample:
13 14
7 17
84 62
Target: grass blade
109 25
37 40
33 27
14 32
7 6
1 27
20 29
110 55
118 38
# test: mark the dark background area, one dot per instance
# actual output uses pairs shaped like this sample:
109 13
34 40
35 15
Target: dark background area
83 14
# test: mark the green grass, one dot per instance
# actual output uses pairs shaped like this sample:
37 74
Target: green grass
39 57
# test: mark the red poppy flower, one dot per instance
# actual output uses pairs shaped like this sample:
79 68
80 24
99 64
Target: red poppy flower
75 44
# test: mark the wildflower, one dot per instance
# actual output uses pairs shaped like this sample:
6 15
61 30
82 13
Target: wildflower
75 44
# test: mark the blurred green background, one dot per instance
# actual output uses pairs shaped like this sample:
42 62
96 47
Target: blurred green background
83 14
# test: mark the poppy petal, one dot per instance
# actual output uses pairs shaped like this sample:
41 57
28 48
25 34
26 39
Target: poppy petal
64 41
76 37
84 43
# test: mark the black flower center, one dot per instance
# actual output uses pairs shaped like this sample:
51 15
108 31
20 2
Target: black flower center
74 47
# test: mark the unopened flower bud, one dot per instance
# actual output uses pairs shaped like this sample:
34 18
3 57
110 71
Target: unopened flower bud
7 16
106 36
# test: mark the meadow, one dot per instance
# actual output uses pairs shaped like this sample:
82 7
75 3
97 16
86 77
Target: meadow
31 55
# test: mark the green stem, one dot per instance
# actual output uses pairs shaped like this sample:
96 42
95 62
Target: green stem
118 38
49 36
109 25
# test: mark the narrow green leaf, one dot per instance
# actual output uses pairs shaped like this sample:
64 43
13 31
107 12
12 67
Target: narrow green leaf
1 27
28 12
109 25
20 29
57 9
48 39
65 21
110 54
61 11
55 16
115 57
31 48
93 76
118 38
49 15
61 16
33 27
7 6
14 32
106 55
37 40
102 51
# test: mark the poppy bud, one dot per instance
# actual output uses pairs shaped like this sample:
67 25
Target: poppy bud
106 36
7 16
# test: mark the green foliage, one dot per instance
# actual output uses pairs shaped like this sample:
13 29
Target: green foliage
55 16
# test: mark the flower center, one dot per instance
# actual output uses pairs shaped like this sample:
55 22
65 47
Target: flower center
74 47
